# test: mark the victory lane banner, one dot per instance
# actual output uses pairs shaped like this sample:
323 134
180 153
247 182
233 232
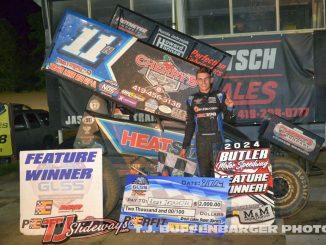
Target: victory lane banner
251 185
170 40
175 204
118 66
57 183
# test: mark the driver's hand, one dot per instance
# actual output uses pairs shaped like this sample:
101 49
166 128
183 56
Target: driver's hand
183 153
228 101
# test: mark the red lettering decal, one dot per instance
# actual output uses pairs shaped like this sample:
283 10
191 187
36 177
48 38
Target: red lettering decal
237 95
51 223
142 141
269 89
154 144
165 143
256 90
227 89
125 138
56 68
141 60
252 90
62 236
80 77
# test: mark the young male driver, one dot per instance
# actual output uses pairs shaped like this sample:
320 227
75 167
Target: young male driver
206 110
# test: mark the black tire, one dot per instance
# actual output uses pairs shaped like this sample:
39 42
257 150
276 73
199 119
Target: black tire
291 187
111 187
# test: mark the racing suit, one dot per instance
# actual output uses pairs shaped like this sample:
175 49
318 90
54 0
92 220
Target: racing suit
205 114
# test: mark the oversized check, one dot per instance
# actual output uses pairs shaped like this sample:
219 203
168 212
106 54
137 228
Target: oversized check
175 204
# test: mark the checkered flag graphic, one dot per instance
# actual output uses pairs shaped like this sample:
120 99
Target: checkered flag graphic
174 165
43 207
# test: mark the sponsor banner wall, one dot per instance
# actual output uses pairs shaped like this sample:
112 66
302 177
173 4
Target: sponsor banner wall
117 66
175 204
171 41
59 182
270 74
6 149
293 138
251 185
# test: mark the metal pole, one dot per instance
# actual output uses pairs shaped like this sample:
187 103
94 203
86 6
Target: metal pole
277 9
89 8
47 15
173 15
231 15
180 16
49 35
132 5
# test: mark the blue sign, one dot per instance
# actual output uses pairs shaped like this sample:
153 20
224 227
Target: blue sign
175 204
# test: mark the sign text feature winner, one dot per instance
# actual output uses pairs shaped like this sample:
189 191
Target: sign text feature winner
251 185
60 157
59 185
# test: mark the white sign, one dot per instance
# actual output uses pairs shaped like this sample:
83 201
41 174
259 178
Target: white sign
59 183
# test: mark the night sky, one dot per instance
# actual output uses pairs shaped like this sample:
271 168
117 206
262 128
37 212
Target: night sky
16 12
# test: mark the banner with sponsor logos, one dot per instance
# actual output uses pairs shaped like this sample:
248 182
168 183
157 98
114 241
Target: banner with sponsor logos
6 149
251 186
171 41
117 66
270 74
292 137
59 182
175 204
68 101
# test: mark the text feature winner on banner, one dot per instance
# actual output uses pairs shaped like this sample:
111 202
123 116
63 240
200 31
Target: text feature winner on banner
59 182
251 185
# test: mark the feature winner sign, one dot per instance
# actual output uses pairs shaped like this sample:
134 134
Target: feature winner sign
118 66
175 204
251 185
58 183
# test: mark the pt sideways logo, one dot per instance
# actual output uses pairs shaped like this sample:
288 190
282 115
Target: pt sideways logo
61 228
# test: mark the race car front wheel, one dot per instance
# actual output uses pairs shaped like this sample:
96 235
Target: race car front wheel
291 187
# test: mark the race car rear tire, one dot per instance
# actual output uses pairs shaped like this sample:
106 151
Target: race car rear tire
291 187
111 187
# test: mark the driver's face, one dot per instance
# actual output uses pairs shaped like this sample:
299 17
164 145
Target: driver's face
204 81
